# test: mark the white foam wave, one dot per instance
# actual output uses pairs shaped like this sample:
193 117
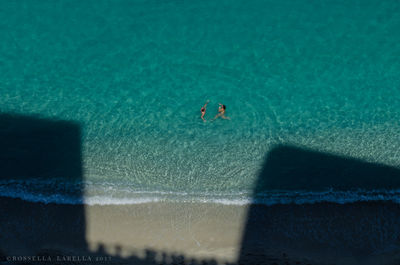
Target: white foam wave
273 199
100 200
69 193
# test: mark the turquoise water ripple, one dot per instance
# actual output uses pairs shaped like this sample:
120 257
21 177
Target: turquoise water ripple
320 75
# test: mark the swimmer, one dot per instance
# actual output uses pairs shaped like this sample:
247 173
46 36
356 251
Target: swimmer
203 110
221 112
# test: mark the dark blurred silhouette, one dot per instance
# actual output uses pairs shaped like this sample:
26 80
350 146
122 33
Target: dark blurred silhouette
49 150
293 168
353 230
33 147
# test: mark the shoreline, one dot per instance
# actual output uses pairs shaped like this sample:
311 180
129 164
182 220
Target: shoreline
274 198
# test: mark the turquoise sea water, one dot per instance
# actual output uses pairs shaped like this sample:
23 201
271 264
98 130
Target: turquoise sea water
321 75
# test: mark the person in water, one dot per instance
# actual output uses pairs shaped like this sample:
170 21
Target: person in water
221 112
203 110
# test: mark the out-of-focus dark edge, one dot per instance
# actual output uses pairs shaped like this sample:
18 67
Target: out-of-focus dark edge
33 147
355 231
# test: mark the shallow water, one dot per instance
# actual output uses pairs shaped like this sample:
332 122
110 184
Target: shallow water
134 74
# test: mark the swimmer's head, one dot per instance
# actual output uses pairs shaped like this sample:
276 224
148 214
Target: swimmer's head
224 107
203 110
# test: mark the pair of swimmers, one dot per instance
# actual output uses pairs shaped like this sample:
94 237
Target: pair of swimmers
221 112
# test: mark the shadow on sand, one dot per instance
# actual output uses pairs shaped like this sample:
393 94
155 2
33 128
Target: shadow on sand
50 150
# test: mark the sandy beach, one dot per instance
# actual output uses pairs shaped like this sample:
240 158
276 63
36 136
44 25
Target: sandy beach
168 233
128 234
192 231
